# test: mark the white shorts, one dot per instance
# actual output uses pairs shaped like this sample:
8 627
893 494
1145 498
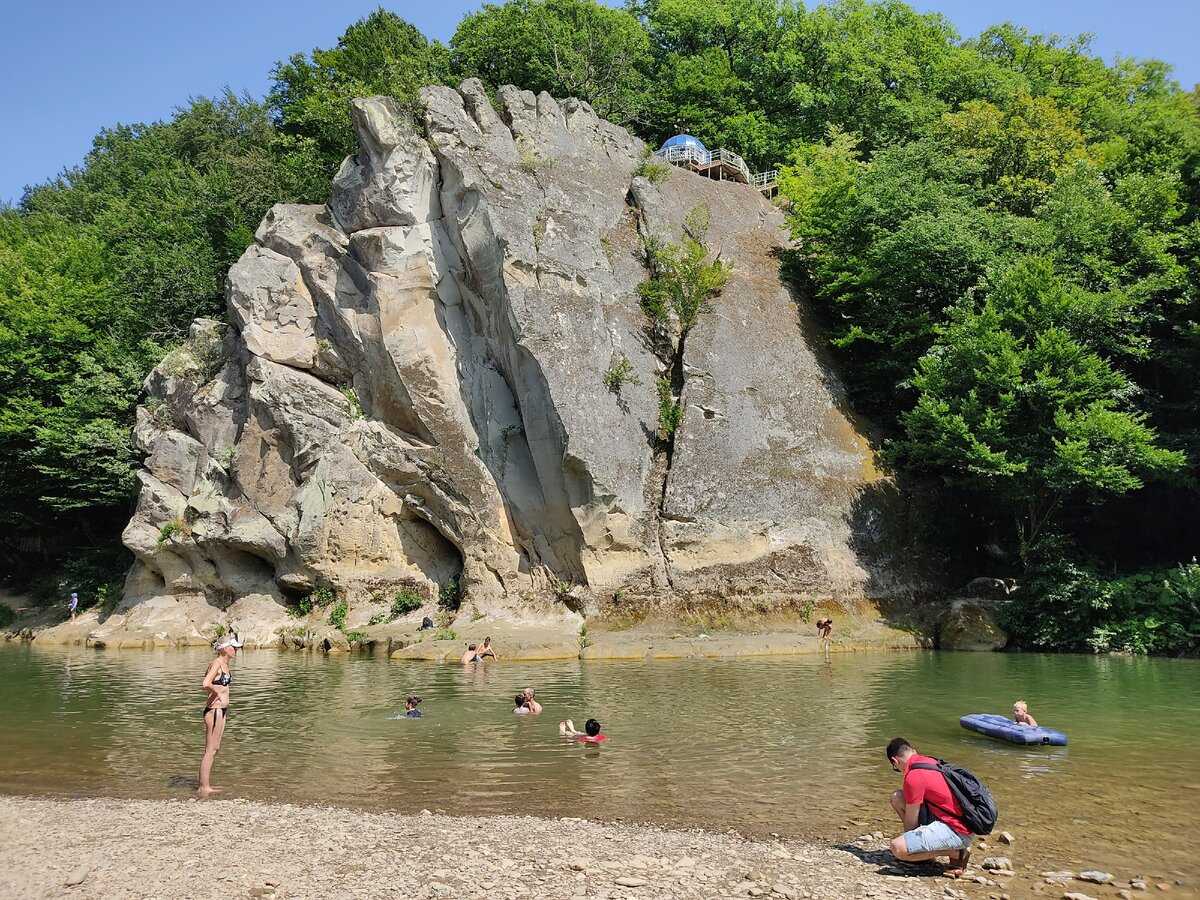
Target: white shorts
934 838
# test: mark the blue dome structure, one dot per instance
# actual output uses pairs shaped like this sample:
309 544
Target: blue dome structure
684 140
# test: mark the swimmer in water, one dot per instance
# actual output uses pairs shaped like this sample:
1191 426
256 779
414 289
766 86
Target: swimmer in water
216 709
532 705
411 703
1021 715
470 655
590 734
485 649
519 707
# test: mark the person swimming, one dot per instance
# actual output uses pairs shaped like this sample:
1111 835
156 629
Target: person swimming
530 704
411 702
1021 715
590 734
519 705
216 683
470 655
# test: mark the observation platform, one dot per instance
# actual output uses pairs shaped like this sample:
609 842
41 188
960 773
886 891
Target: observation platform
688 152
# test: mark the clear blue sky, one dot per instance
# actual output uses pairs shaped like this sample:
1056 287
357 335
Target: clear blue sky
71 67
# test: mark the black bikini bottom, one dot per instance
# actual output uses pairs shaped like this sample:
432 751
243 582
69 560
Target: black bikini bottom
223 710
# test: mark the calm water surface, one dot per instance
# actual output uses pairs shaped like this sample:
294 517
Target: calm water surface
779 745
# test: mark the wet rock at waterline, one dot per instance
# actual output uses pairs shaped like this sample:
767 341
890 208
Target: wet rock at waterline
412 392
968 625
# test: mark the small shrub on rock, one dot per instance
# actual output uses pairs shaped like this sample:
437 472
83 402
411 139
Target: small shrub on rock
174 530
406 600
619 374
449 595
652 170
670 411
337 615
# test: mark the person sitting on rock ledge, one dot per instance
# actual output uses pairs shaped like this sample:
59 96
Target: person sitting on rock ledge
411 702
590 734
1021 715
485 649
931 814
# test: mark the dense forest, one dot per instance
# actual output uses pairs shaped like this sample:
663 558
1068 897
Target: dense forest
999 237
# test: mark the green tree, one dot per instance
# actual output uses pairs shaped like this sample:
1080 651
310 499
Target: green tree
100 270
381 54
570 48
1012 404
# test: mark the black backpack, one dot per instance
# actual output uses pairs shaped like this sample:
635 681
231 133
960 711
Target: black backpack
978 808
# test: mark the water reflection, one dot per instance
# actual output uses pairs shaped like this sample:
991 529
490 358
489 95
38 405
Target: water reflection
785 745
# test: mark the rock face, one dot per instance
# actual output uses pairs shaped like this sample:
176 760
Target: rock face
970 625
411 392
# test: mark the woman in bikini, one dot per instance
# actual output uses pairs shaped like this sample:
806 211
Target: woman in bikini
216 709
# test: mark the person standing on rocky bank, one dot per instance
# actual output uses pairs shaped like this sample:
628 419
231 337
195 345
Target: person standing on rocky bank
932 817
216 710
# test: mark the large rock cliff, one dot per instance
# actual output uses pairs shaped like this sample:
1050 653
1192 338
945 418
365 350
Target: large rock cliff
411 391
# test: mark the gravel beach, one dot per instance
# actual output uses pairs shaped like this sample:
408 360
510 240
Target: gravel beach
236 848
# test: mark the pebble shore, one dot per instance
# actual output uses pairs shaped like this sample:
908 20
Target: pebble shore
237 848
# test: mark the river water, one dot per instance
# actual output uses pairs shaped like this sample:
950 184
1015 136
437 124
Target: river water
786 745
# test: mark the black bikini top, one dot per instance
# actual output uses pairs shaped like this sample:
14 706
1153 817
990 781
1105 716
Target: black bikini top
223 679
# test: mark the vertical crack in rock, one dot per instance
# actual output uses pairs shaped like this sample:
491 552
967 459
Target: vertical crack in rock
524 440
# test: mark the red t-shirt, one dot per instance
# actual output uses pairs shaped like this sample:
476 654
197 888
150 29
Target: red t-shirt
929 786
583 738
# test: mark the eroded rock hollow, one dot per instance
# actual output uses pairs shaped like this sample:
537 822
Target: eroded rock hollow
411 390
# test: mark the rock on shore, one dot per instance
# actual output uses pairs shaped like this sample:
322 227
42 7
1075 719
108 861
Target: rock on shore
191 849
410 394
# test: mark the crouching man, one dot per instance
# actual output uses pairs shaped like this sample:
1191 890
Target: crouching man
932 817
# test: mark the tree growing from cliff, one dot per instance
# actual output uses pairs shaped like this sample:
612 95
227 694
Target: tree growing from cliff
684 280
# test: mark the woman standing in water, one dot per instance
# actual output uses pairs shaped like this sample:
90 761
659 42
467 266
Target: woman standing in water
216 710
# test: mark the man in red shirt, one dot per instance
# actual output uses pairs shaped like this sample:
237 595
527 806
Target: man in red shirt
931 815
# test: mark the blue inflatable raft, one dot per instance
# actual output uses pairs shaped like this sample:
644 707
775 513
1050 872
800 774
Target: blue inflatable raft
1008 730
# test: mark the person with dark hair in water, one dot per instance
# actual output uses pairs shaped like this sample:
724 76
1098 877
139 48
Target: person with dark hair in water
470 655
216 709
824 630
411 702
590 734
520 707
929 811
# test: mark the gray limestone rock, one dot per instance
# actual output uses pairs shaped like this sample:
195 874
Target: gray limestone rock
413 393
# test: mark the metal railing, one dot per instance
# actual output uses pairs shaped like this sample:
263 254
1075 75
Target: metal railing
686 154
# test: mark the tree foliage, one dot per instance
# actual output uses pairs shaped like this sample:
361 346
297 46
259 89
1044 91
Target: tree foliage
381 54
569 48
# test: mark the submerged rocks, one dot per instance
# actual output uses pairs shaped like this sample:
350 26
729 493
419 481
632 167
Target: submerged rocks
413 393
